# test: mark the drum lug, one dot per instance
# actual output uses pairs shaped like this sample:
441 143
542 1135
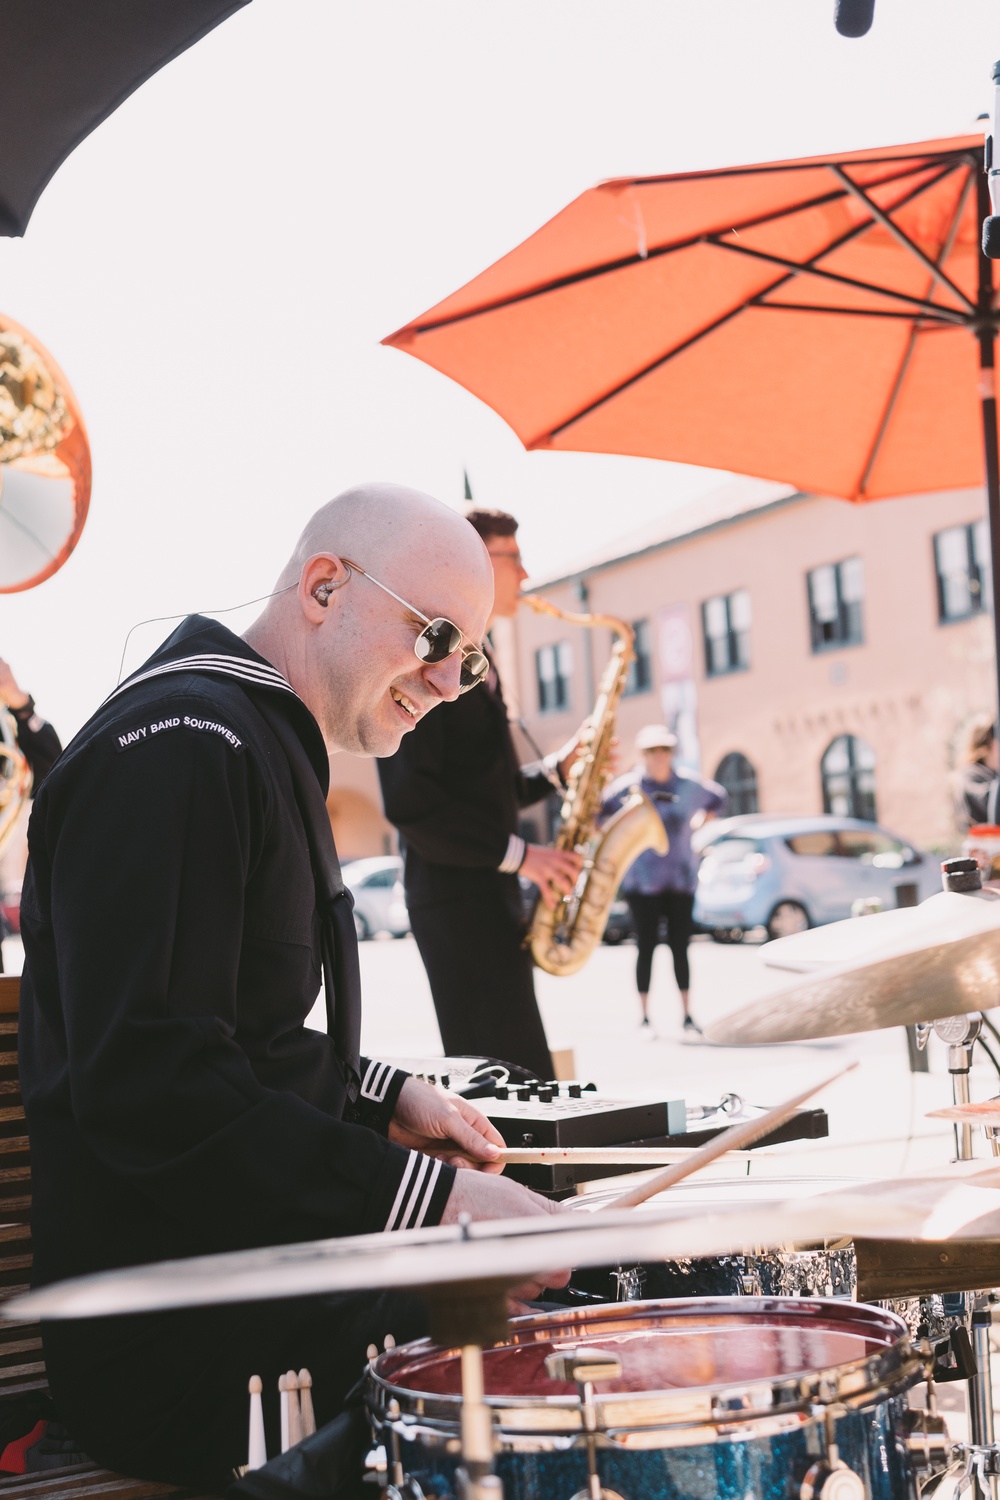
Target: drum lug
830 1478
583 1367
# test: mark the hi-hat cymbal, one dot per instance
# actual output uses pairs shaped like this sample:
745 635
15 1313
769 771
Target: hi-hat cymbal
919 984
986 1112
863 940
507 1250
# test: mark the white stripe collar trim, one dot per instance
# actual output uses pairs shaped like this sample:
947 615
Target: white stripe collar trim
256 673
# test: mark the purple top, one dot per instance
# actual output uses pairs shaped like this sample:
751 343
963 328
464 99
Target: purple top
677 870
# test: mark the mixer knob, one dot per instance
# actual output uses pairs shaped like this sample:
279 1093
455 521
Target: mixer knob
590 1088
544 1094
524 1092
574 1090
501 1091
446 1080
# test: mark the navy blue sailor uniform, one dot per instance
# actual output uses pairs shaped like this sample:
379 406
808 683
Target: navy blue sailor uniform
182 900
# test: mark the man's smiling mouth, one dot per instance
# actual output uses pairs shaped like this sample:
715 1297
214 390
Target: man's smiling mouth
405 703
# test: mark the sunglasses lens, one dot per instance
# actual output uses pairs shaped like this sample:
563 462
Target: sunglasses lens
474 668
438 640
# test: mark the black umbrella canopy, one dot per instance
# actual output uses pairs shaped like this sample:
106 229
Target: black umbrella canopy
65 65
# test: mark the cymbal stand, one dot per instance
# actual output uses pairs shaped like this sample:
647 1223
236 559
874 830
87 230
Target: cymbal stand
469 1315
960 1033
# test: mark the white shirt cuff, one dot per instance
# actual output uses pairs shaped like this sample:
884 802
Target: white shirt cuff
514 856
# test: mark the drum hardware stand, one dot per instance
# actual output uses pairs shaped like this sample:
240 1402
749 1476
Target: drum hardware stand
830 1478
927 1438
583 1367
469 1315
960 1033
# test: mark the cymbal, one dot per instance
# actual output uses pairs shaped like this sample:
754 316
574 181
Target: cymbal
507 1250
861 940
986 1112
916 984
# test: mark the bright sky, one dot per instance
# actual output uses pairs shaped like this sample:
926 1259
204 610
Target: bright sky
215 266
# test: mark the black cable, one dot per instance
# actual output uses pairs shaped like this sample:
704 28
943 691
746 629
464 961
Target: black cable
989 1025
990 1054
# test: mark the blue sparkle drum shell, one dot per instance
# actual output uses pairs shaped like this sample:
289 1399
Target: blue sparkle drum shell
718 1399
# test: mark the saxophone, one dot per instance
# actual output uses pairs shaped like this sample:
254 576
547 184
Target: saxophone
561 940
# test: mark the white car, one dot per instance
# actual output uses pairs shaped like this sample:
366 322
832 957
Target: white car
379 902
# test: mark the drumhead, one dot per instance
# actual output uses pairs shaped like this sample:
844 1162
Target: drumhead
692 1359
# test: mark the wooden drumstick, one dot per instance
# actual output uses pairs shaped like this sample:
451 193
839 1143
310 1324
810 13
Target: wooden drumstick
733 1139
596 1156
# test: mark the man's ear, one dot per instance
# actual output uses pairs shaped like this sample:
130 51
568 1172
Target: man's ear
322 576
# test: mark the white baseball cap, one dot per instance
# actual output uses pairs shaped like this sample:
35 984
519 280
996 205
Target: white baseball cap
655 737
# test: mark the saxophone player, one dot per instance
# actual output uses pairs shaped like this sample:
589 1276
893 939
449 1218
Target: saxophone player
454 790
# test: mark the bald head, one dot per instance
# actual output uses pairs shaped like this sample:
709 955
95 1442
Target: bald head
344 644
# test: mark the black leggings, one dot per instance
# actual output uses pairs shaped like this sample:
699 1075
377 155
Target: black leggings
677 907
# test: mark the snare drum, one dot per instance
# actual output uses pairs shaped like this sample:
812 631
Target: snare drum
825 1270
717 1399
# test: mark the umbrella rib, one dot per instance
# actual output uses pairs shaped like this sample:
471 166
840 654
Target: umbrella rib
852 312
925 159
938 313
606 268
889 223
809 269
911 343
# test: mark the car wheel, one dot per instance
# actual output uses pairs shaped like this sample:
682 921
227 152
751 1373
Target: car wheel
727 934
788 917
613 936
361 927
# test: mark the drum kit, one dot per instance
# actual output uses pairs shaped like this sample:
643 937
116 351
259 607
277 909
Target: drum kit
720 1351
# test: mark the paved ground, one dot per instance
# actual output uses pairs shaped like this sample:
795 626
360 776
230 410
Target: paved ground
877 1124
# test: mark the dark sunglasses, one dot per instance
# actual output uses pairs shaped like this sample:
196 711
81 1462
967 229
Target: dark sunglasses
439 639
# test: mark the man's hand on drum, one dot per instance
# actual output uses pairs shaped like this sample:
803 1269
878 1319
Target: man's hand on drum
554 871
445 1125
498 1198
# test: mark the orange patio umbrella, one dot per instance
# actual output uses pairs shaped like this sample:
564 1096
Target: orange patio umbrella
828 322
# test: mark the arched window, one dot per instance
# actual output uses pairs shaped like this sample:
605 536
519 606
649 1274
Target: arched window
739 778
848 771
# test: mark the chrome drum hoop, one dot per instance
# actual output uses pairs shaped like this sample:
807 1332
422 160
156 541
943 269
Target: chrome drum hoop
725 1413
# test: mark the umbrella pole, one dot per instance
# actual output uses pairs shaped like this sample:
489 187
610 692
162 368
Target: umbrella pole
986 335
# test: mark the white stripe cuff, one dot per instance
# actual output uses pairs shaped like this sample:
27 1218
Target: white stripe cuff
513 858
416 1189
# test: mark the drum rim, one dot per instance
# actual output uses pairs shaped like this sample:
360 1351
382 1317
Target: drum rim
751 1406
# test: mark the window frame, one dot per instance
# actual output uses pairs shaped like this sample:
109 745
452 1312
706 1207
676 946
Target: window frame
640 672
744 785
560 683
849 611
977 575
860 797
737 641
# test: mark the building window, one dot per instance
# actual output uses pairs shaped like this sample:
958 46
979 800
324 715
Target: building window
726 622
739 778
640 672
835 595
962 560
553 669
848 771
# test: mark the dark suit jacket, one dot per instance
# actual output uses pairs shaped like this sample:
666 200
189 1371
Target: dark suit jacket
454 789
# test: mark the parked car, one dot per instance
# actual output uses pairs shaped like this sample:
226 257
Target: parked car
379 900
787 874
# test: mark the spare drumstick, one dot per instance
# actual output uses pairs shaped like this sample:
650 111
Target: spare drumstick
736 1138
257 1445
294 1411
306 1401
